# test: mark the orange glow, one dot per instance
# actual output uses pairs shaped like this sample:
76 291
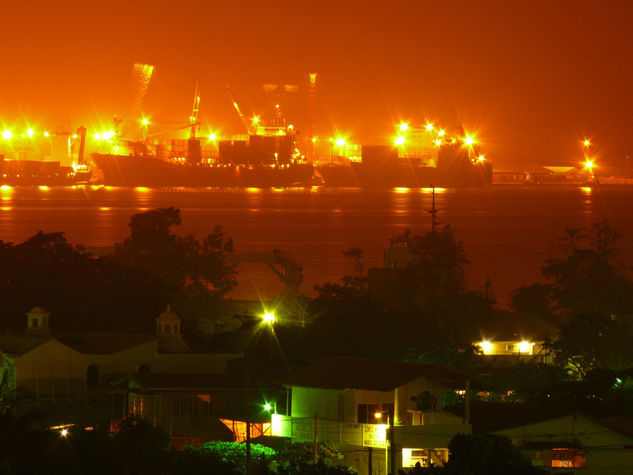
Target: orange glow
145 121
481 158
340 142
589 165
255 120
404 126
44 187
587 143
30 132
469 140
7 134
400 140
141 189
429 126
213 136
441 133
402 190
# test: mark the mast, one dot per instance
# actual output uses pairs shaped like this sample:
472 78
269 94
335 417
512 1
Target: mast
433 212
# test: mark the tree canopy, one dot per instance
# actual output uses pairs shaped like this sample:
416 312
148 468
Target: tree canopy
586 276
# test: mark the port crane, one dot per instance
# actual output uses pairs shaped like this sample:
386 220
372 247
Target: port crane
245 122
193 118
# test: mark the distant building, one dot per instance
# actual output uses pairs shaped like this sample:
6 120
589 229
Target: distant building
519 337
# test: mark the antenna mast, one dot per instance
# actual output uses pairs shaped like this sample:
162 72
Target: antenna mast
433 212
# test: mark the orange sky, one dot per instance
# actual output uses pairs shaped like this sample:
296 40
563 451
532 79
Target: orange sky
532 78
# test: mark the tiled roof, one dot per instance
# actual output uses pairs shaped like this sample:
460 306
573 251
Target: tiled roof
378 375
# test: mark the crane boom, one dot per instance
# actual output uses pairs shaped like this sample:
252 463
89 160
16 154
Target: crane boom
243 118
193 118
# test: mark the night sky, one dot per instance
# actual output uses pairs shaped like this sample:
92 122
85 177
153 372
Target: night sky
531 79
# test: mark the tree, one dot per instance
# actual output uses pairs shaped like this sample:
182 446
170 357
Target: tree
181 262
594 341
587 276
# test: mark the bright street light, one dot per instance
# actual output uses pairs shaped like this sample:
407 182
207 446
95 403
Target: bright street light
269 318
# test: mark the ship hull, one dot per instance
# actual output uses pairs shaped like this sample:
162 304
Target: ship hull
120 170
40 173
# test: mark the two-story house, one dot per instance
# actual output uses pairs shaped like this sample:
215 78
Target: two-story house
377 413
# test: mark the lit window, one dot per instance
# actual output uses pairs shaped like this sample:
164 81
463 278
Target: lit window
568 458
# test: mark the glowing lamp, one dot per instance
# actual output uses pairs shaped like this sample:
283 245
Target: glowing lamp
212 136
587 143
481 158
589 164
525 347
429 127
7 134
468 140
441 133
46 134
378 415
255 120
340 142
400 140
486 347
268 406
404 127
63 432
144 121
30 132
269 318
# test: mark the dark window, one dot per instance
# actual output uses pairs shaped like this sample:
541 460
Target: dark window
367 413
144 369
92 376
166 327
194 405
34 323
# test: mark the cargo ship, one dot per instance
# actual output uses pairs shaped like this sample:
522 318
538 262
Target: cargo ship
43 159
262 160
270 158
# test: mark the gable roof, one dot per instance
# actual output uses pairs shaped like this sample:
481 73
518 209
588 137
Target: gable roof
494 416
103 343
20 344
337 372
189 381
90 343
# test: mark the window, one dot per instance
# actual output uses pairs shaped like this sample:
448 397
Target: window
233 403
198 405
366 413
568 458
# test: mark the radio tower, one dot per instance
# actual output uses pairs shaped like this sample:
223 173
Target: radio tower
311 112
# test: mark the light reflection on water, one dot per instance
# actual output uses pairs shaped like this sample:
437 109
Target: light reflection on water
506 231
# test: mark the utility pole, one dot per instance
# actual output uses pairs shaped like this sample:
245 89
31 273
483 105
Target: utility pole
316 438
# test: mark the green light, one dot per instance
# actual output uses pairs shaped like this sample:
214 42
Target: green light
269 318
268 406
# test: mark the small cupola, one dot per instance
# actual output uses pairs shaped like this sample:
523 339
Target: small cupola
37 321
168 330
168 323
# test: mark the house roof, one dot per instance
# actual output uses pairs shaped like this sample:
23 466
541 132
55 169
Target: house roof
19 343
101 343
189 381
94 343
378 375
494 416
